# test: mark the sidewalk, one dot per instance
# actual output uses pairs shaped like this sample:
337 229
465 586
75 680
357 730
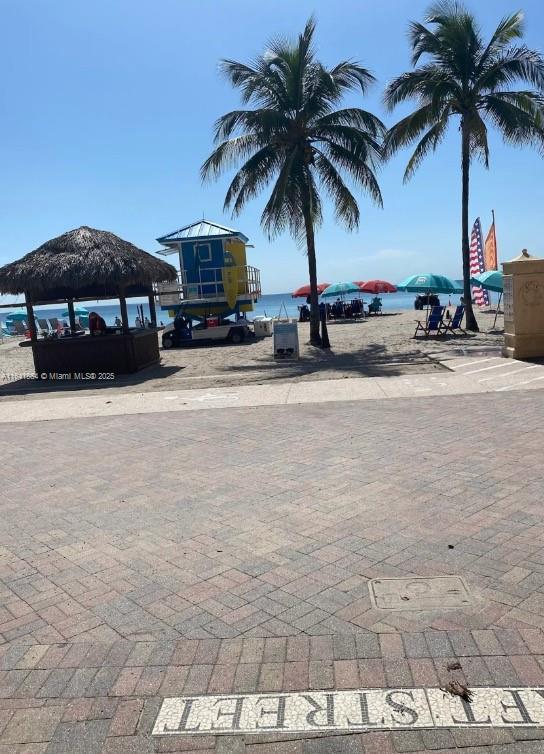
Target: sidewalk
465 375
234 551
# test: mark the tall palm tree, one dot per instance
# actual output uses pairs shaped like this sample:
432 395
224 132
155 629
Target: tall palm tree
465 78
296 138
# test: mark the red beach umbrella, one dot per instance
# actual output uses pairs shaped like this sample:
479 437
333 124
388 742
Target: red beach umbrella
304 290
378 286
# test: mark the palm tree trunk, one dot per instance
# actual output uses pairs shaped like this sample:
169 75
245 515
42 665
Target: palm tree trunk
471 323
315 338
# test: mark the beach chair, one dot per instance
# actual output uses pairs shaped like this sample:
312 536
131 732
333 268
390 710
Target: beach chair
454 323
20 328
375 306
43 324
432 323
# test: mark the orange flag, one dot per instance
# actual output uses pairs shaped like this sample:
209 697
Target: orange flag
490 249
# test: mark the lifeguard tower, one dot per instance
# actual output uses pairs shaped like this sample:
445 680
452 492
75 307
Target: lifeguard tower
214 277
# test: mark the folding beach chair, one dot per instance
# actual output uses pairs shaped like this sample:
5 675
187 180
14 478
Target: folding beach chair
454 324
432 323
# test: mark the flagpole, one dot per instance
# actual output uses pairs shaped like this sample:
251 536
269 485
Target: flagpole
497 254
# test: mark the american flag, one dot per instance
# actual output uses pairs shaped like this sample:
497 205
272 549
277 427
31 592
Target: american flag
480 295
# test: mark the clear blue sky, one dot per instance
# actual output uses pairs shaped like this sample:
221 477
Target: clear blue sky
107 110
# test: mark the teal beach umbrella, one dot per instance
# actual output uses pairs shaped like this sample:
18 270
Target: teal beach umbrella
491 280
428 282
79 311
340 289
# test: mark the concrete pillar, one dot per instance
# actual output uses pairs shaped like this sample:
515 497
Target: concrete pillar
523 298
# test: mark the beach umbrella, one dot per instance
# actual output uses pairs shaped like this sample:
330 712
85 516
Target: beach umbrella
428 282
492 280
304 290
340 289
378 286
79 311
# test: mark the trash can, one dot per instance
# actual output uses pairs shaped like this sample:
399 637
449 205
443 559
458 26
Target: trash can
263 327
286 340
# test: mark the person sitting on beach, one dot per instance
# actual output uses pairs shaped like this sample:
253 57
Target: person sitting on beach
118 322
97 325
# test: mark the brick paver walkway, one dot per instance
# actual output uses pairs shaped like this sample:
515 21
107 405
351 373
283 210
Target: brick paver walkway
230 550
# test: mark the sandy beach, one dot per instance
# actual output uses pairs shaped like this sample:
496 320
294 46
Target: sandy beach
377 346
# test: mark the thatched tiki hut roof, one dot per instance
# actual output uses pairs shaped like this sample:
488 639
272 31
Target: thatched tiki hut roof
84 263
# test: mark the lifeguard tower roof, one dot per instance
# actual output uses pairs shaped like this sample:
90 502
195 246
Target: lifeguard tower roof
200 229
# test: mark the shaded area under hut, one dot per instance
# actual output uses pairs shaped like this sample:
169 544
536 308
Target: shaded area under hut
86 264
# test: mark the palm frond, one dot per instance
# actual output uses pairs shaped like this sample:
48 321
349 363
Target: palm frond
515 64
257 84
252 177
478 139
353 117
408 129
349 75
428 82
428 143
516 124
261 123
422 41
357 168
228 154
509 28
345 205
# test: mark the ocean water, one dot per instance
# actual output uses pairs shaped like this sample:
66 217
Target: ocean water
268 305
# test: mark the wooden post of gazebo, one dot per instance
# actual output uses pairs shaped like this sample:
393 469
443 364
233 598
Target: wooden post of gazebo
124 312
31 320
152 310
71 315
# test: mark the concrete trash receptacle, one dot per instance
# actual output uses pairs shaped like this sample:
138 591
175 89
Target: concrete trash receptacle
523 282
263 327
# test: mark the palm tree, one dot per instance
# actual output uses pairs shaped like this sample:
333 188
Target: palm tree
296 138
463 77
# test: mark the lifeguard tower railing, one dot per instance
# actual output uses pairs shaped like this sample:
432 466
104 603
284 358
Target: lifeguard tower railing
210 288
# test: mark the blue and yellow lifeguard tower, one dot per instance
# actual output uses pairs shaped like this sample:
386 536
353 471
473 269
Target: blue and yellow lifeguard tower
214 277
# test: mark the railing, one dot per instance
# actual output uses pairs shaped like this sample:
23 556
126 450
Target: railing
210 286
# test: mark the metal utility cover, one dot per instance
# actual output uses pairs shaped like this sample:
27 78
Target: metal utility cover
440 593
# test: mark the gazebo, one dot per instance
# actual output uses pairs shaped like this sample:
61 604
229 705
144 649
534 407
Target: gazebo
86 264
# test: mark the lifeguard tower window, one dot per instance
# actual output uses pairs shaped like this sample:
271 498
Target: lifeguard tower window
204 252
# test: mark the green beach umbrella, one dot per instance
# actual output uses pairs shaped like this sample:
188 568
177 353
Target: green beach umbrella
428 282
491 280
340 289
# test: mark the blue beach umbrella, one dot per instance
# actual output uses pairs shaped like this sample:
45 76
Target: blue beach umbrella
428 282
340 289
491 280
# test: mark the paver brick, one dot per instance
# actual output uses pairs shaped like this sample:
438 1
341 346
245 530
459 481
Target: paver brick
32 725
125 720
